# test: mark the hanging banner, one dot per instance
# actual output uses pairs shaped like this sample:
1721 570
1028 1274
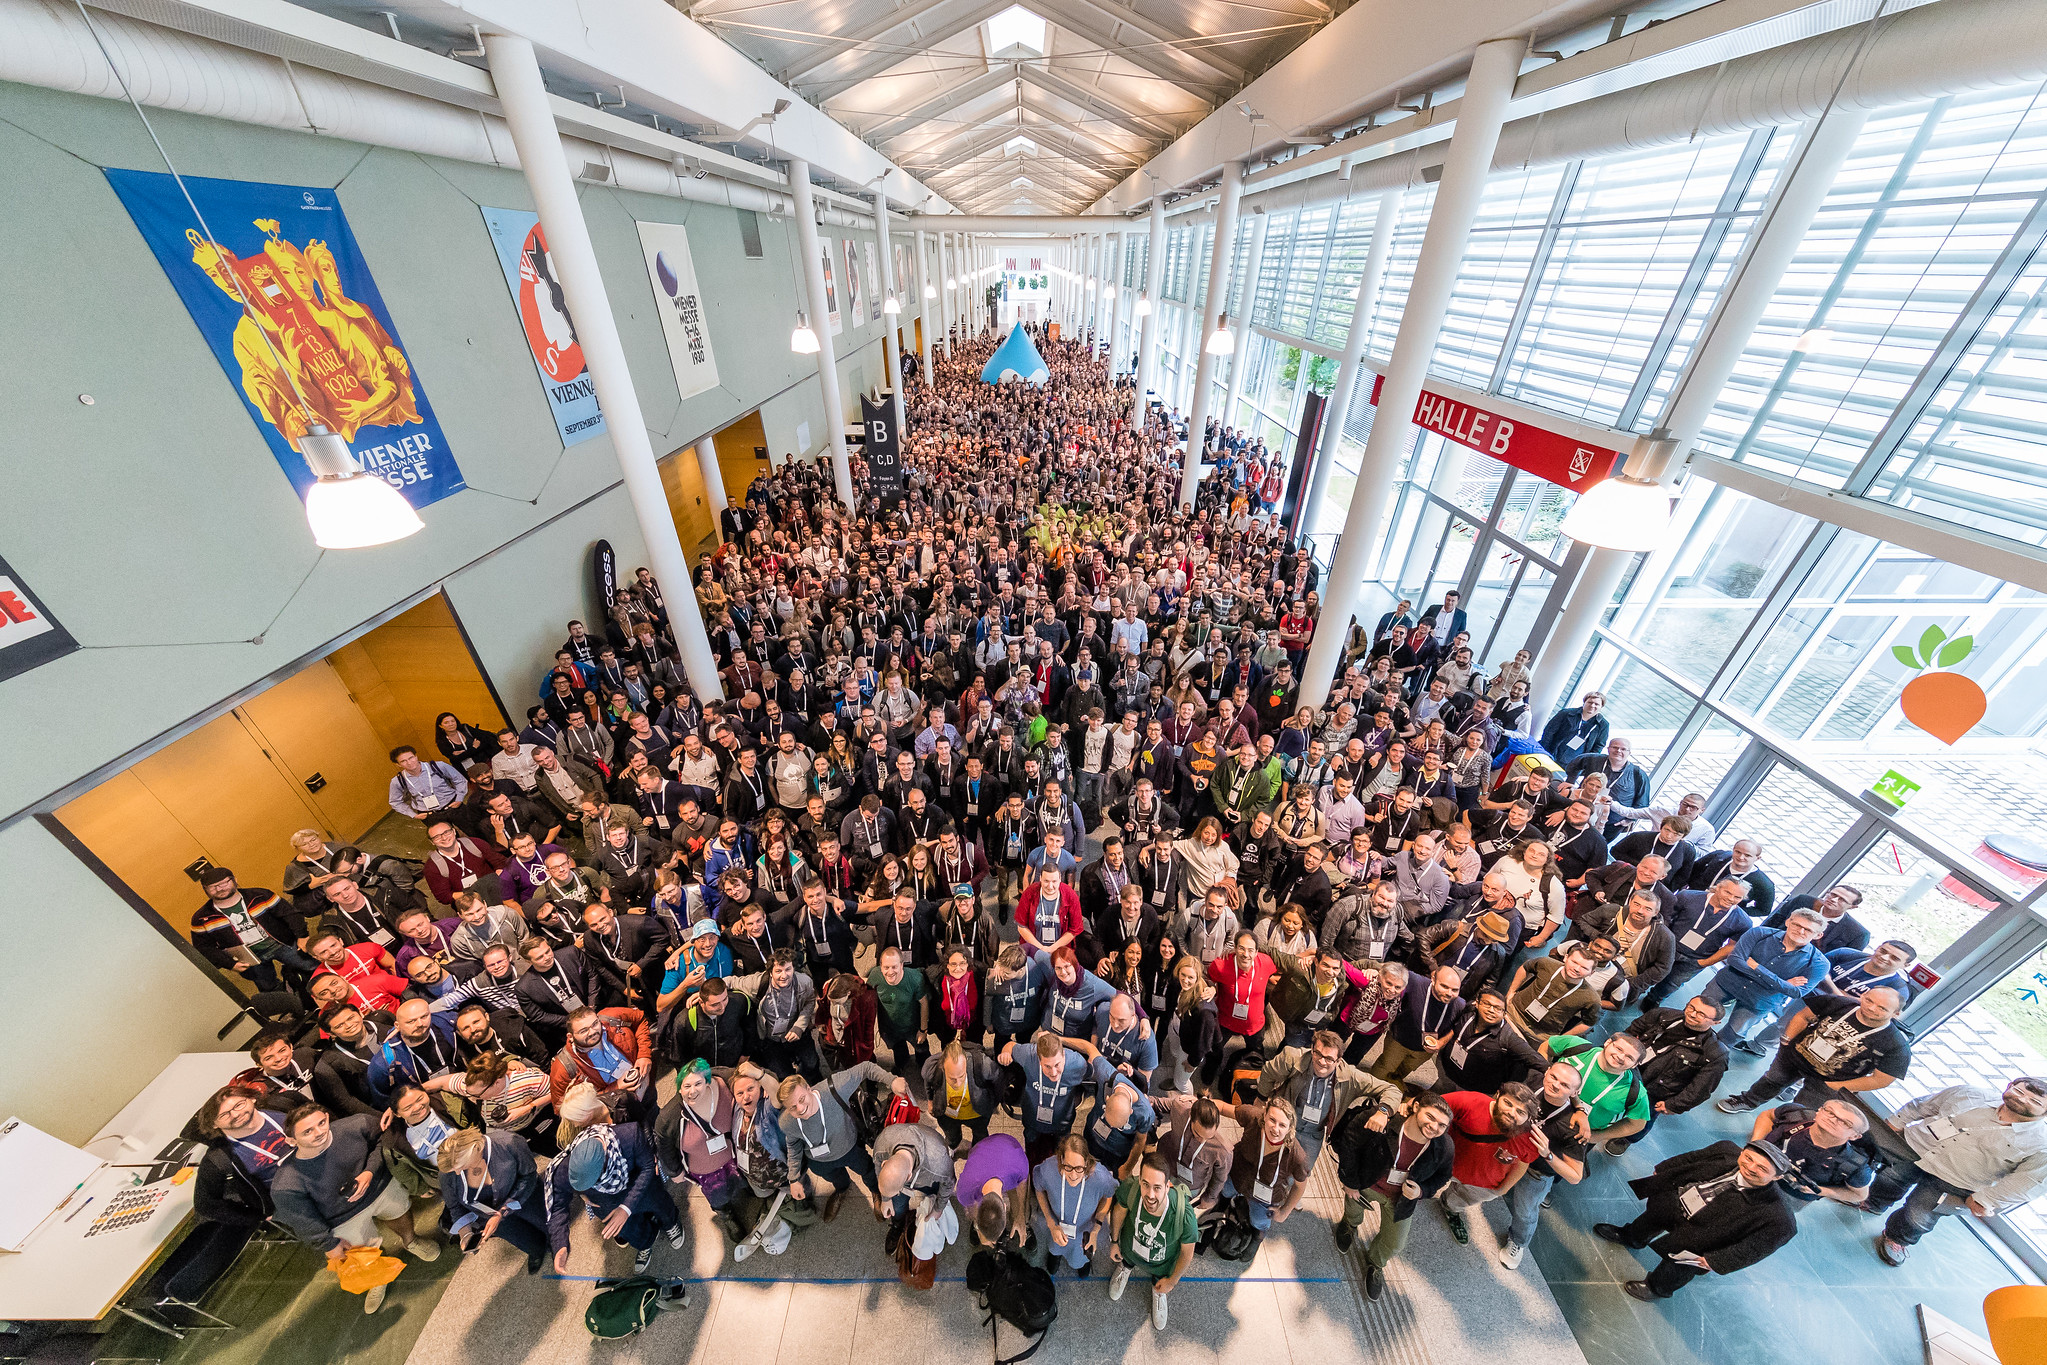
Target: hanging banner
882 452
1547 454
854 309
544 317
831 290
1294 513
873 285
315 342
683 322
29 636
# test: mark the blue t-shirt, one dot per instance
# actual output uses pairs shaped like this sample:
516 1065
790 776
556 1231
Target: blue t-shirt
1074 1204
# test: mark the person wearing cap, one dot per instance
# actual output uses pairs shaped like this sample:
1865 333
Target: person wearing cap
1479 946
1709 1212
611 1167
703 958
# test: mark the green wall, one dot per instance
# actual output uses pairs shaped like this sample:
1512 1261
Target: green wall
156 526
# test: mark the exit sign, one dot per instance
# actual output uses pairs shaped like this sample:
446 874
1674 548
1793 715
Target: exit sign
1893 787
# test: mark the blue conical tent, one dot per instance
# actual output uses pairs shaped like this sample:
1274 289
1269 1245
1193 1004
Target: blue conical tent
1016 355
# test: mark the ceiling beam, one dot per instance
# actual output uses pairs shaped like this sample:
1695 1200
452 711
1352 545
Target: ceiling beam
826 53
1097 23
931 107
1099 104
831 81
1083 134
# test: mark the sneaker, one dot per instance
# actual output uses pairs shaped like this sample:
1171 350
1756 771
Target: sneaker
677 1238
1615 1147
641 1260
1734 1104
1510 1255
423 1249
1158 1311
1375 1282
1459 1228
1346 1235
374 1300
1892 1253
1118 1281
1609 1232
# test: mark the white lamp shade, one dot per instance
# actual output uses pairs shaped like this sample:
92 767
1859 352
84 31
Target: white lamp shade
930 291
889 304
1221 341
951 283
1620 513
1110 292
353 511
1143 308
803 341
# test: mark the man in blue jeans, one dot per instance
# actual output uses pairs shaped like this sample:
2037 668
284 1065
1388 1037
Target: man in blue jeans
1768 969
1553 1128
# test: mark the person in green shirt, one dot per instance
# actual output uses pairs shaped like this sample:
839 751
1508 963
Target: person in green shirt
902 1012
1616 1104
1152 1232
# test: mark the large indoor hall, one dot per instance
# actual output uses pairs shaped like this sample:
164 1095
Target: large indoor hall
757 682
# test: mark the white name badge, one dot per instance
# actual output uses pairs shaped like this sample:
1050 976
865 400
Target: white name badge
383 938
1822 1049
715 1143
1158 897
973 807
1457 1055
1241 1010
1536 1010
1044 1113
662 820
1691 1201
1311 1115
820 1150
1262 1192
1186 1172
1396 1176
1942 1128
1066 1231
874 850
1016 1010
745 1161
1692 939
1375 950
1103 1130
468 880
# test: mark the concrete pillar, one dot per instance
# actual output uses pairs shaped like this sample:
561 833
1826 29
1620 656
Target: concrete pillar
1480 113
924 302
1148 325
714 482
1240 314
890 358
1212 309
820 322
529 115
1823 149
1349 373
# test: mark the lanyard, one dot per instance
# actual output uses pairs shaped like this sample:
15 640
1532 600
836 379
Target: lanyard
1542 996
1431 1000
264 1152
1611 1085
1699 924
1079 1197
463 1175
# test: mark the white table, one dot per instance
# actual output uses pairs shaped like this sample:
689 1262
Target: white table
60 1273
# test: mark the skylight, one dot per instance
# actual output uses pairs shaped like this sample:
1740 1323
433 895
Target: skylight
1016 32
1019 146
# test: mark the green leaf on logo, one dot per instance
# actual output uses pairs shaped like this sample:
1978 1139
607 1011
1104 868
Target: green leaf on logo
1930 641
1955 650
1906 657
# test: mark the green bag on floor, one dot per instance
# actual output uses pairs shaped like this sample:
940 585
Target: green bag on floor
623 1308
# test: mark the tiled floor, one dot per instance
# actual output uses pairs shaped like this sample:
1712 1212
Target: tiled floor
1826 1291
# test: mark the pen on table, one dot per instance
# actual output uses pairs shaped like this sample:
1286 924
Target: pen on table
71 1196
82 1207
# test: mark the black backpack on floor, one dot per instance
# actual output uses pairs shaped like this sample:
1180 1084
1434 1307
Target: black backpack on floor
1233 1238
1014 1291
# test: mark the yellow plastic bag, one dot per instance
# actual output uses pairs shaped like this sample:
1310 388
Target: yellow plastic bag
362 1269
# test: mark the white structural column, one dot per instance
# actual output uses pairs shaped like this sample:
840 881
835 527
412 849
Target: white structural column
1470 155
1118 303
1148 325
714 483
1815 162
1352 367
1240 314
821 323
1212 309
515 71
945 291
924 302
891 359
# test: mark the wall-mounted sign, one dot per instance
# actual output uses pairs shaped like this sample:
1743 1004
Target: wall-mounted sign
29 636
1510 440
544 318
684 324
855 307
314 342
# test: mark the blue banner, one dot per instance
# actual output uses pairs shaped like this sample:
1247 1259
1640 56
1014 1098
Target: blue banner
544 318
315 342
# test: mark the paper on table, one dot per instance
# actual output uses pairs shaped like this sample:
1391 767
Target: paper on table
37 1173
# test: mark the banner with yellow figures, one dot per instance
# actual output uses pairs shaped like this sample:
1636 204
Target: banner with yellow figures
277 286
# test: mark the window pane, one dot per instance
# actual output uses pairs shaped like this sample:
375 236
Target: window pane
1794 819
1705 762
1907 895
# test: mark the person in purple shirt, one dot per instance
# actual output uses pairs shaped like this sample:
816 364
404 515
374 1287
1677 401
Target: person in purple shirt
421 935
994 1189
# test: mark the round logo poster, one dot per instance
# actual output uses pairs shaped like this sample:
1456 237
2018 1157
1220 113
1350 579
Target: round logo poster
544 311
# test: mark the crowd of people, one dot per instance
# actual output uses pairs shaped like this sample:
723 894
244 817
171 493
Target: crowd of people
1011 873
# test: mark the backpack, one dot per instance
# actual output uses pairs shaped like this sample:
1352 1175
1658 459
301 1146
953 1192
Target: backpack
623 1308
1014 1291
1234 1239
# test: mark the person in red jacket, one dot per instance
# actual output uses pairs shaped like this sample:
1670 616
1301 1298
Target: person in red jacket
1240 980
460 863
1495 1141
371 986
1048 916
612 1049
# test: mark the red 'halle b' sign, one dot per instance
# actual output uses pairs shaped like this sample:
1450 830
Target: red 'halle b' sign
1547 454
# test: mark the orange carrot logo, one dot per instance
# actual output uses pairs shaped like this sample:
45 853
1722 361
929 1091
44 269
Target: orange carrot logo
1944 705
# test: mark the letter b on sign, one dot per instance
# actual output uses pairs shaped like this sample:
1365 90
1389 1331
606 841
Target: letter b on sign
879 434
1503 436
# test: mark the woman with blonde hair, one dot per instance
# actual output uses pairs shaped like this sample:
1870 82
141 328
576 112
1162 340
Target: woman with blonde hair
1205 858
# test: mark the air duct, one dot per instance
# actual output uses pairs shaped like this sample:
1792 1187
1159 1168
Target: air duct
48 46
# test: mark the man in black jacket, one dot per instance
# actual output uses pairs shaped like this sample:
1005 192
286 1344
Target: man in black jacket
1713 1211
243 1127
555 982
628 951
341 1075
717 1026
1682 1061
1485 1049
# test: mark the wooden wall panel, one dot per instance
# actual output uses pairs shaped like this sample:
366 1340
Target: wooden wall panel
133 833
309 724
